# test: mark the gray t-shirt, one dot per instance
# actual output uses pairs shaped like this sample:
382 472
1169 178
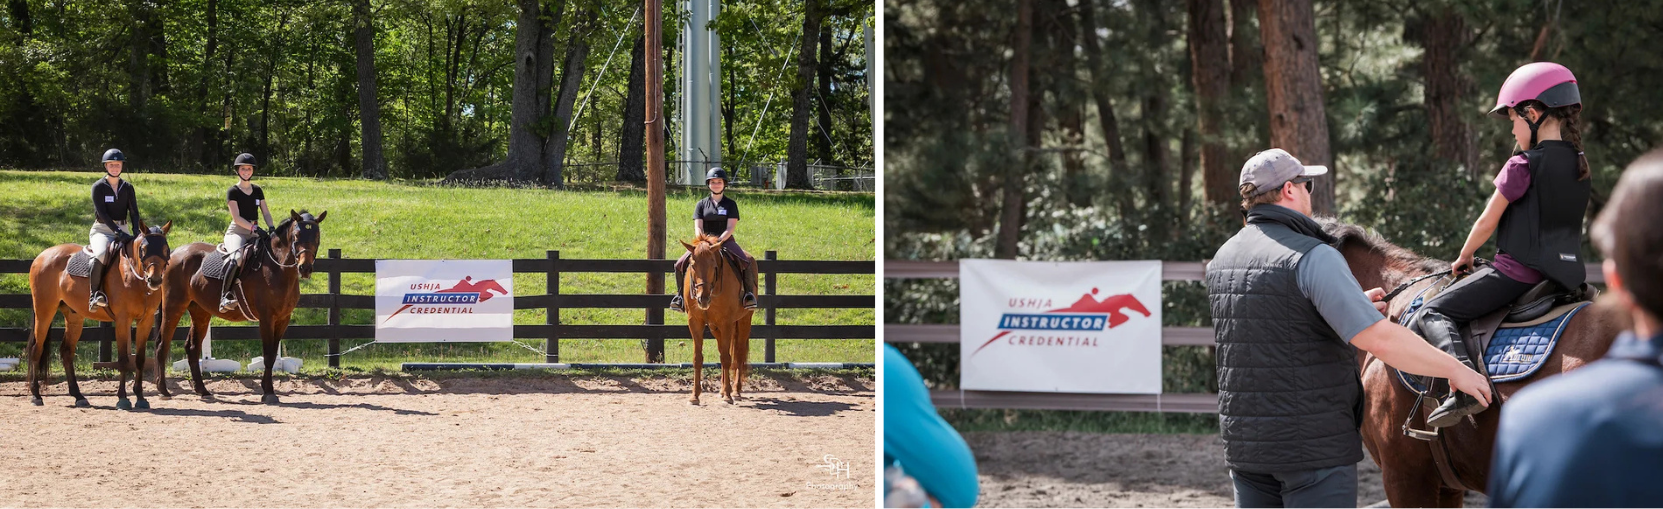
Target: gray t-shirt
1325 278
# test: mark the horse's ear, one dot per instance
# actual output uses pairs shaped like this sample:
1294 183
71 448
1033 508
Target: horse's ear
141 230
684 244
166 227
718 244
294 215
320 217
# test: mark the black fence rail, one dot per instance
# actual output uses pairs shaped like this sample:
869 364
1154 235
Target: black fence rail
653 327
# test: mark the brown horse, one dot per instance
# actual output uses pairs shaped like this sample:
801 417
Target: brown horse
713 293
270 290
1412 478
135 293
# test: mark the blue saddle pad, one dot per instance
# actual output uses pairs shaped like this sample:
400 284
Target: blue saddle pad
1513 354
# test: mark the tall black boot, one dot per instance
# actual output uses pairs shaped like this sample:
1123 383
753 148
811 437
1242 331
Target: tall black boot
676 301
1445 335
749 282
226 304
96 298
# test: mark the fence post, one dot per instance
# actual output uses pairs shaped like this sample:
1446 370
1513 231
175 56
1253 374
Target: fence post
104 353
654 343
335 309
551 347
769 354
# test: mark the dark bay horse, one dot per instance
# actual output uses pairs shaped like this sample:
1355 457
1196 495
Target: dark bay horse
713 292
270 278
134 293
1411 477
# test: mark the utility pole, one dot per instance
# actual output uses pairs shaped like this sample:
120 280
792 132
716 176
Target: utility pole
655 165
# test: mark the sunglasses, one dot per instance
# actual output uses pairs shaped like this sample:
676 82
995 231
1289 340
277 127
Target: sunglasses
1309 186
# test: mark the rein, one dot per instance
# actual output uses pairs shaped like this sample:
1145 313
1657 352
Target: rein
294 253
1405 286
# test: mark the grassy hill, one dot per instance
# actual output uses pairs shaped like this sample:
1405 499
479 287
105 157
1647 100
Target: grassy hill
417 220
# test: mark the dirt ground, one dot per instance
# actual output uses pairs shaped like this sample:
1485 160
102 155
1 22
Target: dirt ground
1064 469
446 442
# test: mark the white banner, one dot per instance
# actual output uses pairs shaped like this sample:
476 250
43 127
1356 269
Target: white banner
1087 327
444 300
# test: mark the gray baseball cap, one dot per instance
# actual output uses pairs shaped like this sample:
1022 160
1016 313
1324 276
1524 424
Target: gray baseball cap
1268 170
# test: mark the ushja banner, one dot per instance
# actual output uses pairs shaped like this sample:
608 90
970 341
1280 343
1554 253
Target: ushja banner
1086 327
444 300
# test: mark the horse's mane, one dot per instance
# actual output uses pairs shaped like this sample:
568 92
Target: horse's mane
705 238
1397 256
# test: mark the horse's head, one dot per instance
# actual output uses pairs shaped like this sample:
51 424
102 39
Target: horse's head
151 252
300 235
1374 261
704 268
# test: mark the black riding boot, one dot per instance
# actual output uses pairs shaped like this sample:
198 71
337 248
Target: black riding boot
675 302
1443 333
226 304
96 298
749 300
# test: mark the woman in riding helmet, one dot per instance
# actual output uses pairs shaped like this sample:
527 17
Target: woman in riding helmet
241 199
717 215
1536 214
112 200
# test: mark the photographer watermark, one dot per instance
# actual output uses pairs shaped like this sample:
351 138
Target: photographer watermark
836 469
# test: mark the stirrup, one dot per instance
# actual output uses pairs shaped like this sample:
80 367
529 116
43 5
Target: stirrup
226 304
98 300
676 305
750 300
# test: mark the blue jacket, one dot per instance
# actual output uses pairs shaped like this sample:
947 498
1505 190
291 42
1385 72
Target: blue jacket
1589 438
919 441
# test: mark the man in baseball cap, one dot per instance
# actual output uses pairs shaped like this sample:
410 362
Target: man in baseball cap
1286 313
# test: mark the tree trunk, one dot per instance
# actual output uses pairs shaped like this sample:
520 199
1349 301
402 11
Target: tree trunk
1106 119
20 18
1443 35
265 102
631 142
1070 101
1011 205
823 68
1293 91
1157 158
369 111
200 140
1210 73
532 69
571 80
1247 56
796 166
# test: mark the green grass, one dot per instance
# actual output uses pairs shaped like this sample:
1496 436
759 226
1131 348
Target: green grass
417 220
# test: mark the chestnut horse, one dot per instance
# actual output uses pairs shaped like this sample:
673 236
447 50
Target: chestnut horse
134 293
1411 477
270 290
713 292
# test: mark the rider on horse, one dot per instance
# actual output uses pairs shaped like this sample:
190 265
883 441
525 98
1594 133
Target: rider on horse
717 215
242 199
1536 213
112 199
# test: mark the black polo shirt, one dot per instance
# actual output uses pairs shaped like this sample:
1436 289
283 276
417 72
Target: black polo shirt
716 214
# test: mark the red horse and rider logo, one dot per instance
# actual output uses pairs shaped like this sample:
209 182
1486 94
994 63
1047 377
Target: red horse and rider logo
1086 314
465 292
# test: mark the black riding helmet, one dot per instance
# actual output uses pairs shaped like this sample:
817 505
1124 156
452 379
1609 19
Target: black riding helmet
242 159
113 154
716 173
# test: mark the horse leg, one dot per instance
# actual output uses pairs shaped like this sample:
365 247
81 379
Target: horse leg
164 347
268 346
124 360
193 347
742 348
66 351
147 327
37 353
723 344
696 327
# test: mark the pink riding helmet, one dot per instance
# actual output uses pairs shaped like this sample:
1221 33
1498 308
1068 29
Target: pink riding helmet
1550 83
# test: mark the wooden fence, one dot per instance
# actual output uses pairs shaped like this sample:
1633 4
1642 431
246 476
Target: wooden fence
1170 336
653 329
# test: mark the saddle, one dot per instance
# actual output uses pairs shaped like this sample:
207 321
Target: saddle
215 266
1513 342
80 264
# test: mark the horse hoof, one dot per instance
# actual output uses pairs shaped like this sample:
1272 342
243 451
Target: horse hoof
124 404
37 401
729 400
165 397
82 403
269 399
693 402
142 405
